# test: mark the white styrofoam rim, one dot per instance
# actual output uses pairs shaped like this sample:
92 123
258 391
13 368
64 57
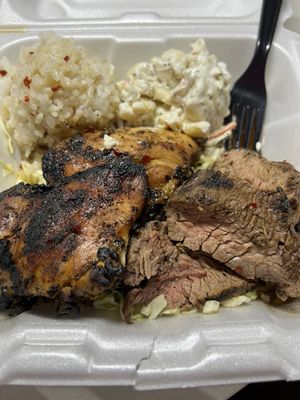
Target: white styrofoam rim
251 343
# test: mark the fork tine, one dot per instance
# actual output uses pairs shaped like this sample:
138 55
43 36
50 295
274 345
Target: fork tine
259 124
250 90
250 129
249 124
240 120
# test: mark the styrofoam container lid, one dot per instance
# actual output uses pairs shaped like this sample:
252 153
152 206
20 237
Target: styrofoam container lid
250 343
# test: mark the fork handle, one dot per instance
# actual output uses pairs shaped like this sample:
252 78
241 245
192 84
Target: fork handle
268 19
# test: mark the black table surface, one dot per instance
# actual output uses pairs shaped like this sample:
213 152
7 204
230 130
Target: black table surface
269 391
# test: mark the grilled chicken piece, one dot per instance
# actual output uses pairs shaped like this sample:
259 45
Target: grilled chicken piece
73 242
15 206
166 155
16 203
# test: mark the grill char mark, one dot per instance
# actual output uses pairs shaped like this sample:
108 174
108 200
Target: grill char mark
56 248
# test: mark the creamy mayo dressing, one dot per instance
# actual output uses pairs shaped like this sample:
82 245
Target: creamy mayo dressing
183 92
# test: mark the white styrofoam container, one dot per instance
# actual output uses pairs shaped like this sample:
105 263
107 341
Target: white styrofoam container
249 343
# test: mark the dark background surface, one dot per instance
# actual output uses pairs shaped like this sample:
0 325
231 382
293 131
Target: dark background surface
269 391
265 391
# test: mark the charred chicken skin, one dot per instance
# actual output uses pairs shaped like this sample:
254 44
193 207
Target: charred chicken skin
70 241
15 206
166 155
16 203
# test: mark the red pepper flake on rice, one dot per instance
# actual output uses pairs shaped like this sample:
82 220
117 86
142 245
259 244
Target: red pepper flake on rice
3 72
26 99
55 88
67 58
27 82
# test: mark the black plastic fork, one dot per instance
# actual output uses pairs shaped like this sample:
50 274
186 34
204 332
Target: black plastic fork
248 95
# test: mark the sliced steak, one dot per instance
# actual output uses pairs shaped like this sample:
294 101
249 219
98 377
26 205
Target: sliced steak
186 279
260 172
150 252
264 175
252 231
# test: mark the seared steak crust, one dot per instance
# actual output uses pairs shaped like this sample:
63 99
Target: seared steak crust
252 231
263 174
259 172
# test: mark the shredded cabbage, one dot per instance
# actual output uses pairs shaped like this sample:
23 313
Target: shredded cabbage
252 295
28 172
192 311
214 146
211 307
109 302
24 171
155 307
6 168
209 157
171 311
239 300
8 136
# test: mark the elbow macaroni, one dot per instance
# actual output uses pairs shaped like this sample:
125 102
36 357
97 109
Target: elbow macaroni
182 92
